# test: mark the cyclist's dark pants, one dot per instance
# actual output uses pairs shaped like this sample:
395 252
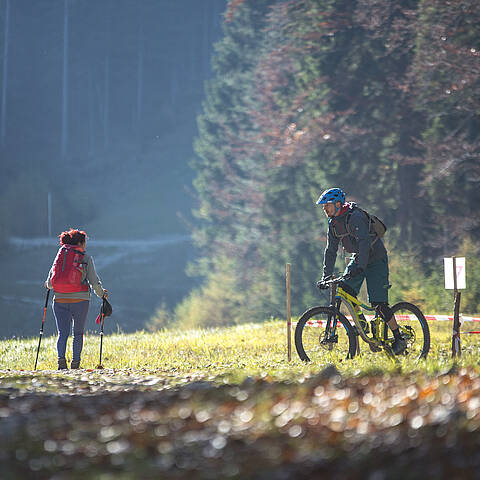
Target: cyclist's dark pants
376 275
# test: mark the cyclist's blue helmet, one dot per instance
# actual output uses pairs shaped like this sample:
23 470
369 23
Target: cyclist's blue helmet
332 195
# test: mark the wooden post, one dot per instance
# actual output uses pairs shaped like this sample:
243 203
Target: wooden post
289 322
456 347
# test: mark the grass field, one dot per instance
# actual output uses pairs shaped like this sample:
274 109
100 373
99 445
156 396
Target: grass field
239 351
226 403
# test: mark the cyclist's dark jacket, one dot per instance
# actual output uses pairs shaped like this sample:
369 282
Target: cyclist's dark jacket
366 247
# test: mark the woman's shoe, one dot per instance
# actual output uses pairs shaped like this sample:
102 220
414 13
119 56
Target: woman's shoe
75 364
62 364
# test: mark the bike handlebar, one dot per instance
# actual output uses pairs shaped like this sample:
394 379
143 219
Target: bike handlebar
335 281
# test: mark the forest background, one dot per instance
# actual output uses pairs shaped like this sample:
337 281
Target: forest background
98 107
380 98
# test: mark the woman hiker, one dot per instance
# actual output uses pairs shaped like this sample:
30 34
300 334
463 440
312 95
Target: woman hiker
70 276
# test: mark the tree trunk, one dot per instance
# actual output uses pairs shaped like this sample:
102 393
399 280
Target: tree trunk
3 120
138 113
206 39
106 84
64 139
91 114
106 102
174 84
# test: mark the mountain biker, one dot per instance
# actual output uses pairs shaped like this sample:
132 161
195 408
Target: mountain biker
72 303
369 261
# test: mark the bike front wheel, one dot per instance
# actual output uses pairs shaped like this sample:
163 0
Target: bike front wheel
324 335
413 327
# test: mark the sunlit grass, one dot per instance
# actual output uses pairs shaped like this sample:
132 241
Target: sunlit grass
234 352
226 399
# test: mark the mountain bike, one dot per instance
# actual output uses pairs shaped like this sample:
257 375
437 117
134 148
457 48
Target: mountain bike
334 331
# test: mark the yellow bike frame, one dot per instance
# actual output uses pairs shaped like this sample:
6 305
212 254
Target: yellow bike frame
378 339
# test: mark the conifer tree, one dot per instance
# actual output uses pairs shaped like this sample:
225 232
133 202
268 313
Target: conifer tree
313 94
445 86
223 183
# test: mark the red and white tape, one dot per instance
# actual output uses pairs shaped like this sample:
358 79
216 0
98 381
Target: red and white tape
463 318
441 318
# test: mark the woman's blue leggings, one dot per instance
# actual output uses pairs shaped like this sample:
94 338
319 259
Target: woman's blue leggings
64 314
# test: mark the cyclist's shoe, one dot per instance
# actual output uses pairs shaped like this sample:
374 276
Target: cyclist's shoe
399 346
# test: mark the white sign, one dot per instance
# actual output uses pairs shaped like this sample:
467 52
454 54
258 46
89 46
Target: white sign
461 277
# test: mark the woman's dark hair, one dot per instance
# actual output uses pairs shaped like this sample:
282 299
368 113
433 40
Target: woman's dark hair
72 237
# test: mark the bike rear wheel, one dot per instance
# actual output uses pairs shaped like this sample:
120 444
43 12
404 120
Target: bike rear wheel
413 327
315 343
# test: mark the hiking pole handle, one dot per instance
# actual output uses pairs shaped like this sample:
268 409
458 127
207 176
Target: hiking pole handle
41 328
46 299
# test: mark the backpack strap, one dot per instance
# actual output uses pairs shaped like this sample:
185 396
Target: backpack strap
370 221
74 250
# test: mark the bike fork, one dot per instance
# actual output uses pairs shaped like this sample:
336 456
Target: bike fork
331 327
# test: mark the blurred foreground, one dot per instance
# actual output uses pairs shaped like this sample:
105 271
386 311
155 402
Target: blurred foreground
127 425
225 403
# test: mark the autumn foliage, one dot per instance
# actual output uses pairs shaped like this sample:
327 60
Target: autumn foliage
377 97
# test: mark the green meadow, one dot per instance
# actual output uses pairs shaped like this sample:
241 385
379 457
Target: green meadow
227 403
237 352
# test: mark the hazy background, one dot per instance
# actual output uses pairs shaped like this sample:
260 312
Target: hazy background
101 103
98 112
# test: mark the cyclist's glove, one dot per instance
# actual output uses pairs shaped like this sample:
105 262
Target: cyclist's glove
322 284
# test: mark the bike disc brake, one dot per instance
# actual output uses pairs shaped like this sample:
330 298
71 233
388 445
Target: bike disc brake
408 333
328 342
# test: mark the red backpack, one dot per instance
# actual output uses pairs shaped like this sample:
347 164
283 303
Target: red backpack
68 268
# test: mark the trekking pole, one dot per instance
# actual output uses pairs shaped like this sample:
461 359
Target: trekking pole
289 313
41 328
100 366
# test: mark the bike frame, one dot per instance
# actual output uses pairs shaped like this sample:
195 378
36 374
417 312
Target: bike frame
337 295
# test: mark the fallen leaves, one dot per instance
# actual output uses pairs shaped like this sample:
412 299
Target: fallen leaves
159 424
